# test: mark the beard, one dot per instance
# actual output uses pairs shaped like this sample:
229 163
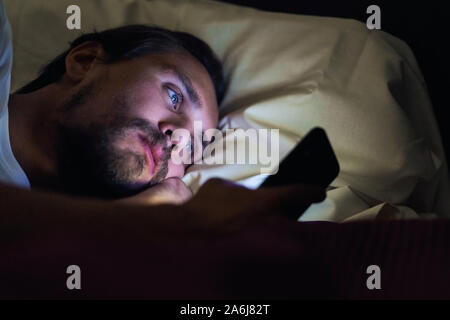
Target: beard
88 161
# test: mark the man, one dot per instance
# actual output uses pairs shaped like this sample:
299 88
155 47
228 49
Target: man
97 124
89 129
98 121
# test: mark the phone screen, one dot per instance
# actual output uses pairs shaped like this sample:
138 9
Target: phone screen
311 162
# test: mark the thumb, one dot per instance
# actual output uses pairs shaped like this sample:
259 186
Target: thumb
292 198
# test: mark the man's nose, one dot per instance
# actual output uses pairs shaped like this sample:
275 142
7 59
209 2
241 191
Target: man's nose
168 129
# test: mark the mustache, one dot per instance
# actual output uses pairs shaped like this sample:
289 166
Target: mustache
122 124
152 135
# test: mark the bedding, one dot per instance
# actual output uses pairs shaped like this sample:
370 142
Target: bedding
292 73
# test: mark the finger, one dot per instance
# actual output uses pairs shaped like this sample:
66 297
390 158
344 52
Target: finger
217 181
296 192
316 193
289 194
172 180
293 199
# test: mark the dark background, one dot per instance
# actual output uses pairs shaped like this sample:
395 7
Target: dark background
423 25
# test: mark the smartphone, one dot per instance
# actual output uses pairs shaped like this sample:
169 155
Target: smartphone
311 162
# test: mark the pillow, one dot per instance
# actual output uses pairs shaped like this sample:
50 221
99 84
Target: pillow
288 72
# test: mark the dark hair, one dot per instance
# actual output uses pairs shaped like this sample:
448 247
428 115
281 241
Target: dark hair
132 41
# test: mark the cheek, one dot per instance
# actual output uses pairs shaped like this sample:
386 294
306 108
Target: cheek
129 140
175 170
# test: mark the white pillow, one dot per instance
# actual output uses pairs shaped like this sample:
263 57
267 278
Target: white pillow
290 72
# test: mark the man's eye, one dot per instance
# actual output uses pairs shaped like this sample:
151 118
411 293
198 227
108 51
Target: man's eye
175 98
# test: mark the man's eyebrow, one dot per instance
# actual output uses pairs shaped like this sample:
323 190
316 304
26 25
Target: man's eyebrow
186 82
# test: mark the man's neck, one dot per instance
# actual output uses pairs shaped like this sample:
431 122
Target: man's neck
32 128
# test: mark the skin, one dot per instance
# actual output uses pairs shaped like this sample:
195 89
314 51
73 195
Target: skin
142 88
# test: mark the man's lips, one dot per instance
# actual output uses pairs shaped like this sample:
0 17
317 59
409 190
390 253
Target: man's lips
150 156
154 154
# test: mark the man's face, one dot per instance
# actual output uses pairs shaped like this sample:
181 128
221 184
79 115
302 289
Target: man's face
115 127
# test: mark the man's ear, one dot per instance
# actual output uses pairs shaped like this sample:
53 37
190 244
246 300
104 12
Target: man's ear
81 58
